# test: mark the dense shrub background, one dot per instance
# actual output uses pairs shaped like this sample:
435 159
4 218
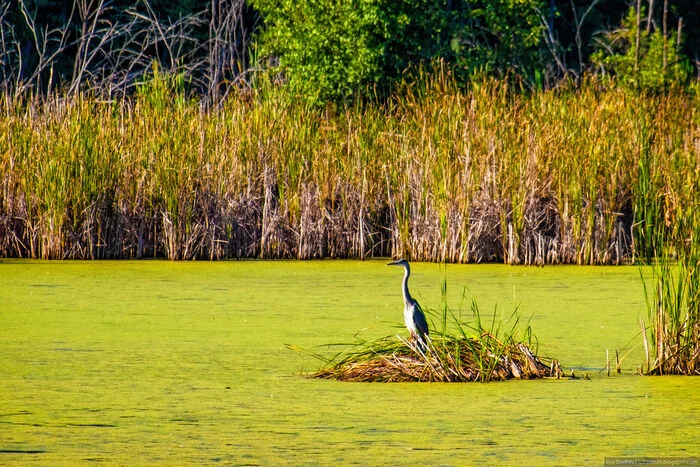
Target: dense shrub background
335 51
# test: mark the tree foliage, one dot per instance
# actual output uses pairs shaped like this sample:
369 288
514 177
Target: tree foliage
501 35
329 50
326 48
654 63
335 50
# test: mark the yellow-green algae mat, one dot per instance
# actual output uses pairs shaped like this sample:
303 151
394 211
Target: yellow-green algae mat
157 362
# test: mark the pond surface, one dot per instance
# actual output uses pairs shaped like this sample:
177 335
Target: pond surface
163 362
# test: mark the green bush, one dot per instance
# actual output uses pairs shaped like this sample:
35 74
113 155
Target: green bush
499 37
327 50
618 55
331 50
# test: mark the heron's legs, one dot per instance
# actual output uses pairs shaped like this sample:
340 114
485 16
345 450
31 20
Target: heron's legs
420 342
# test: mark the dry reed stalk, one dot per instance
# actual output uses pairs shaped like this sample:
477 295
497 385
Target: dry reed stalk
646 344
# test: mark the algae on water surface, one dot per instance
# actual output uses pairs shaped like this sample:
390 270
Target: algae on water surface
161 362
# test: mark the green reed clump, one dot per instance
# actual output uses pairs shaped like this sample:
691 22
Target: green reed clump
455 352
436 173
674 302
668 237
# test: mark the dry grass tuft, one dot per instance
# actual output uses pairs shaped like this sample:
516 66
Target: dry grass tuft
448 359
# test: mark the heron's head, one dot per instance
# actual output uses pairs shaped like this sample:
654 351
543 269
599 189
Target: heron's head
401 262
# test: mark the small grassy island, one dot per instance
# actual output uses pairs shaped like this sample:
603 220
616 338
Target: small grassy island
448 359
455 352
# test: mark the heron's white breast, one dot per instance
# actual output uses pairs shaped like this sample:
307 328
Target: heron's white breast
408 318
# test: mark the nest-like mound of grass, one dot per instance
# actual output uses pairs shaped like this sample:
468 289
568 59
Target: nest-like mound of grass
446 359
465 352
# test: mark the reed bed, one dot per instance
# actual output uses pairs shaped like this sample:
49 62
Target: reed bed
460 352
672 339
436 173
668 238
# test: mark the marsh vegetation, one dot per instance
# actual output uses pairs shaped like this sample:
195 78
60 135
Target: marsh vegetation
437 173
128 134
672 338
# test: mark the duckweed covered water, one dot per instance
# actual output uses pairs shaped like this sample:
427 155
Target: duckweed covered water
161 362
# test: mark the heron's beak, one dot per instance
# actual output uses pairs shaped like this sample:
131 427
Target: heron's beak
393 263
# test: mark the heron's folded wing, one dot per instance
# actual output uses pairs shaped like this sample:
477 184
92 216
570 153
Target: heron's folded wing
419 319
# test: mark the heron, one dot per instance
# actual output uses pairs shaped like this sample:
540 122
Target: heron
412 314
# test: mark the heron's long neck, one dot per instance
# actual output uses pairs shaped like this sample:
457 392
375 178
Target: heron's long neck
406 295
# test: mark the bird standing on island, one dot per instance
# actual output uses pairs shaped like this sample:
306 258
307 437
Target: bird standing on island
412 314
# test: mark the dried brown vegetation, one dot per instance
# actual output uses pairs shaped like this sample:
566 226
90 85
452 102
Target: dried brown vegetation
438 173
446 360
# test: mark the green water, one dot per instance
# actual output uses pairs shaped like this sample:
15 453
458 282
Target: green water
161 362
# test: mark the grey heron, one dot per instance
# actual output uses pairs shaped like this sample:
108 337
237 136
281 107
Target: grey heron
412 314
